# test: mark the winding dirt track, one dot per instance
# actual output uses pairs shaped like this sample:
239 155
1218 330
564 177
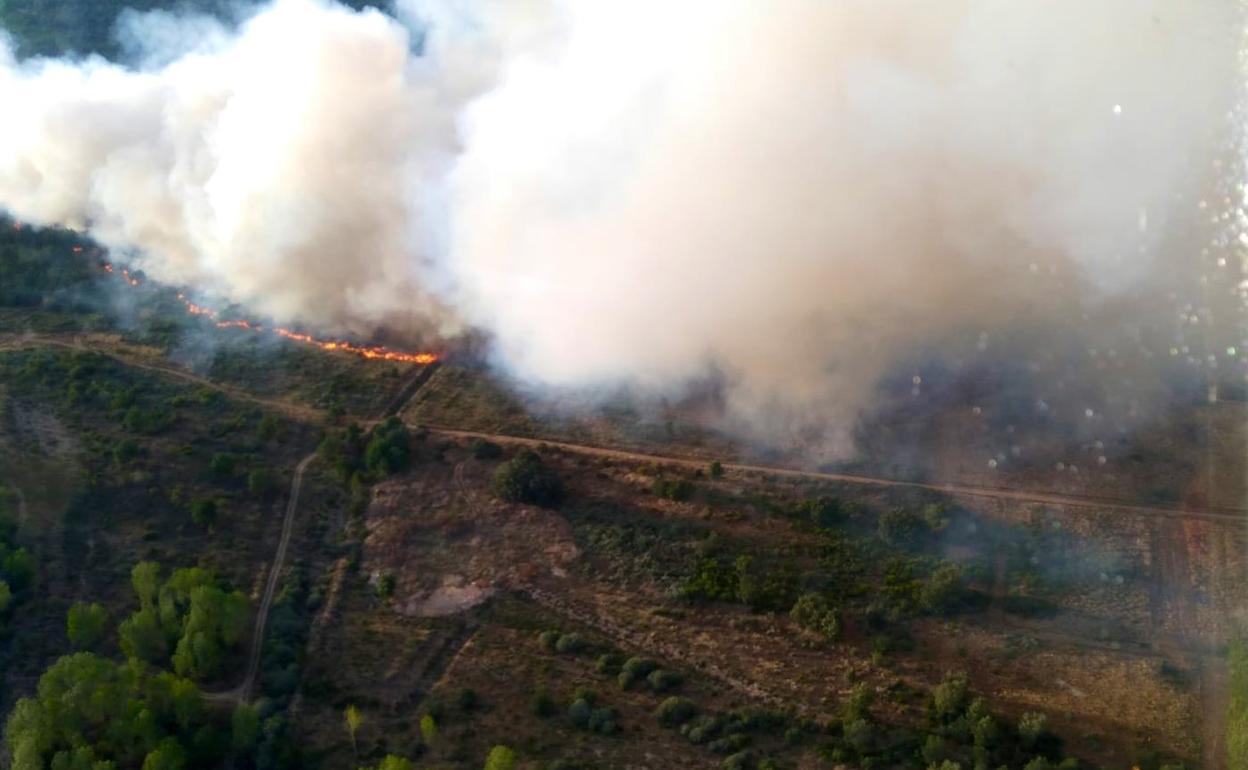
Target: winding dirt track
998 493
310 414
243 691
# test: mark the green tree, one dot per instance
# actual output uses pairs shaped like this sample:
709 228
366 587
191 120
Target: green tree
389 448
142 637
204 511
525 479
168 755
500 758
145 578
949 697
260 482
85 624
811 611
429 729
394 762
244 728
943 590
1031 727
351 715
6 596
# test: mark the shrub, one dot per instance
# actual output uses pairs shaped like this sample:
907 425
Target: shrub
484 450
811 611
943 590
662 680
902 528
634 669
579 712
429 729
716 470
204 511
858 706
603 721
85 625
389 448
739 761
701 729
570 643
543 704
823 512
467 699
1031 728
949 697
548 640
672 489
675 711
222 465
500 758
260 481
524 479
607 664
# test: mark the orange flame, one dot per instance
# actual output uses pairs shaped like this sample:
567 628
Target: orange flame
373 353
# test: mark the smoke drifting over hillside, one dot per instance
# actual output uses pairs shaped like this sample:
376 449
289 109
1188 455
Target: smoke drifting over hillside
793 195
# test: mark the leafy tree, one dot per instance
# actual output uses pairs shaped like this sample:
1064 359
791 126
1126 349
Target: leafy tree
394 762
244 728
900 527
859 704
260 482
85 624
675 711
500 758
168 755
943 589
142 637
672 489
17 567
389 448
525 479
484 450
1031 728
351 715
145 578
811 611
429 729
90 712
949 697
6 596
716 469
204 511
223 465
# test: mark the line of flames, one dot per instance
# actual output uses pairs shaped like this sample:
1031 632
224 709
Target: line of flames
371 352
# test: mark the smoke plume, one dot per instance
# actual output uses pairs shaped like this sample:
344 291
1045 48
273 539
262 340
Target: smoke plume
793 196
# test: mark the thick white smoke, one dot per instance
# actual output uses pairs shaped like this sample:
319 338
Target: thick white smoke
791 193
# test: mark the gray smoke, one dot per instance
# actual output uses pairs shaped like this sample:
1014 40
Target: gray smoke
794 195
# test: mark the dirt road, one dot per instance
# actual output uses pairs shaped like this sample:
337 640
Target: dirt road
242 692
998 493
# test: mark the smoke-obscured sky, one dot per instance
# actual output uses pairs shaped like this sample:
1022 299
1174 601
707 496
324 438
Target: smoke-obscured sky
795 196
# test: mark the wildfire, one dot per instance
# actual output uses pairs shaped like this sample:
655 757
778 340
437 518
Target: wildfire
375 353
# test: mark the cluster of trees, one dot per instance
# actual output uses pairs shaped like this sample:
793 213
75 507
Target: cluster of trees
189 621
526 479
40 267
17 565
361 459
92 713
762 586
